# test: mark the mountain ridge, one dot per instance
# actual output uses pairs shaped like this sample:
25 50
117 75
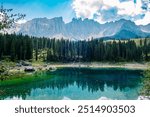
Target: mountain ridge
79 29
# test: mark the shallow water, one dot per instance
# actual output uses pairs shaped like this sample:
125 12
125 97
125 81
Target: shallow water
76 84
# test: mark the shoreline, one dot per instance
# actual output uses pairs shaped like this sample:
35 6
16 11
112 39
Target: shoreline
54 66
130 66
18 71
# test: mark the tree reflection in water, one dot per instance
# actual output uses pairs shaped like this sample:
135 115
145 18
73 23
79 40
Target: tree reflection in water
92 79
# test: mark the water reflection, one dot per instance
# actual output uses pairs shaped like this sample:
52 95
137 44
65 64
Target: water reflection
92 80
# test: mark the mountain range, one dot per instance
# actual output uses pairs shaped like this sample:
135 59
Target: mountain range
79 29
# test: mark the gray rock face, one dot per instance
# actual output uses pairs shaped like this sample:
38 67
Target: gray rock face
43 27
85 29
79 29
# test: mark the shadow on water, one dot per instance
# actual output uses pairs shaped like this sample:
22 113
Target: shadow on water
93 80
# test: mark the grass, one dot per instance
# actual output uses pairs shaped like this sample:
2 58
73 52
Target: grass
11 75
146 84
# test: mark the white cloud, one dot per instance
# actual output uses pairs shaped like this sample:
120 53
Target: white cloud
145 20
98 9
111 3
21 21
130 8
86 8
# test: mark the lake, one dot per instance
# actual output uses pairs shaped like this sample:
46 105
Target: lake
75 84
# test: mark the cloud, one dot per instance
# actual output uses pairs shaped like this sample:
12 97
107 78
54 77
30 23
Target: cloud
130 8
110 10
21 21
86 8
145 20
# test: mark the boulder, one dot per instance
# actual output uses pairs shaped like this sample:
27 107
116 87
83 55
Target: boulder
29 69
52 69
24 63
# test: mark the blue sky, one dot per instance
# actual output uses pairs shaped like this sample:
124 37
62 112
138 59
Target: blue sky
100 10
41 8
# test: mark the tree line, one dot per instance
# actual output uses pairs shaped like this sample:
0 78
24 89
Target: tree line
15 47
19 47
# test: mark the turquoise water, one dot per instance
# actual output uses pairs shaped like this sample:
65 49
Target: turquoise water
77 84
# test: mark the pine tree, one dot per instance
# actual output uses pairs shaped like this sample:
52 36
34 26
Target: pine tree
12 50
